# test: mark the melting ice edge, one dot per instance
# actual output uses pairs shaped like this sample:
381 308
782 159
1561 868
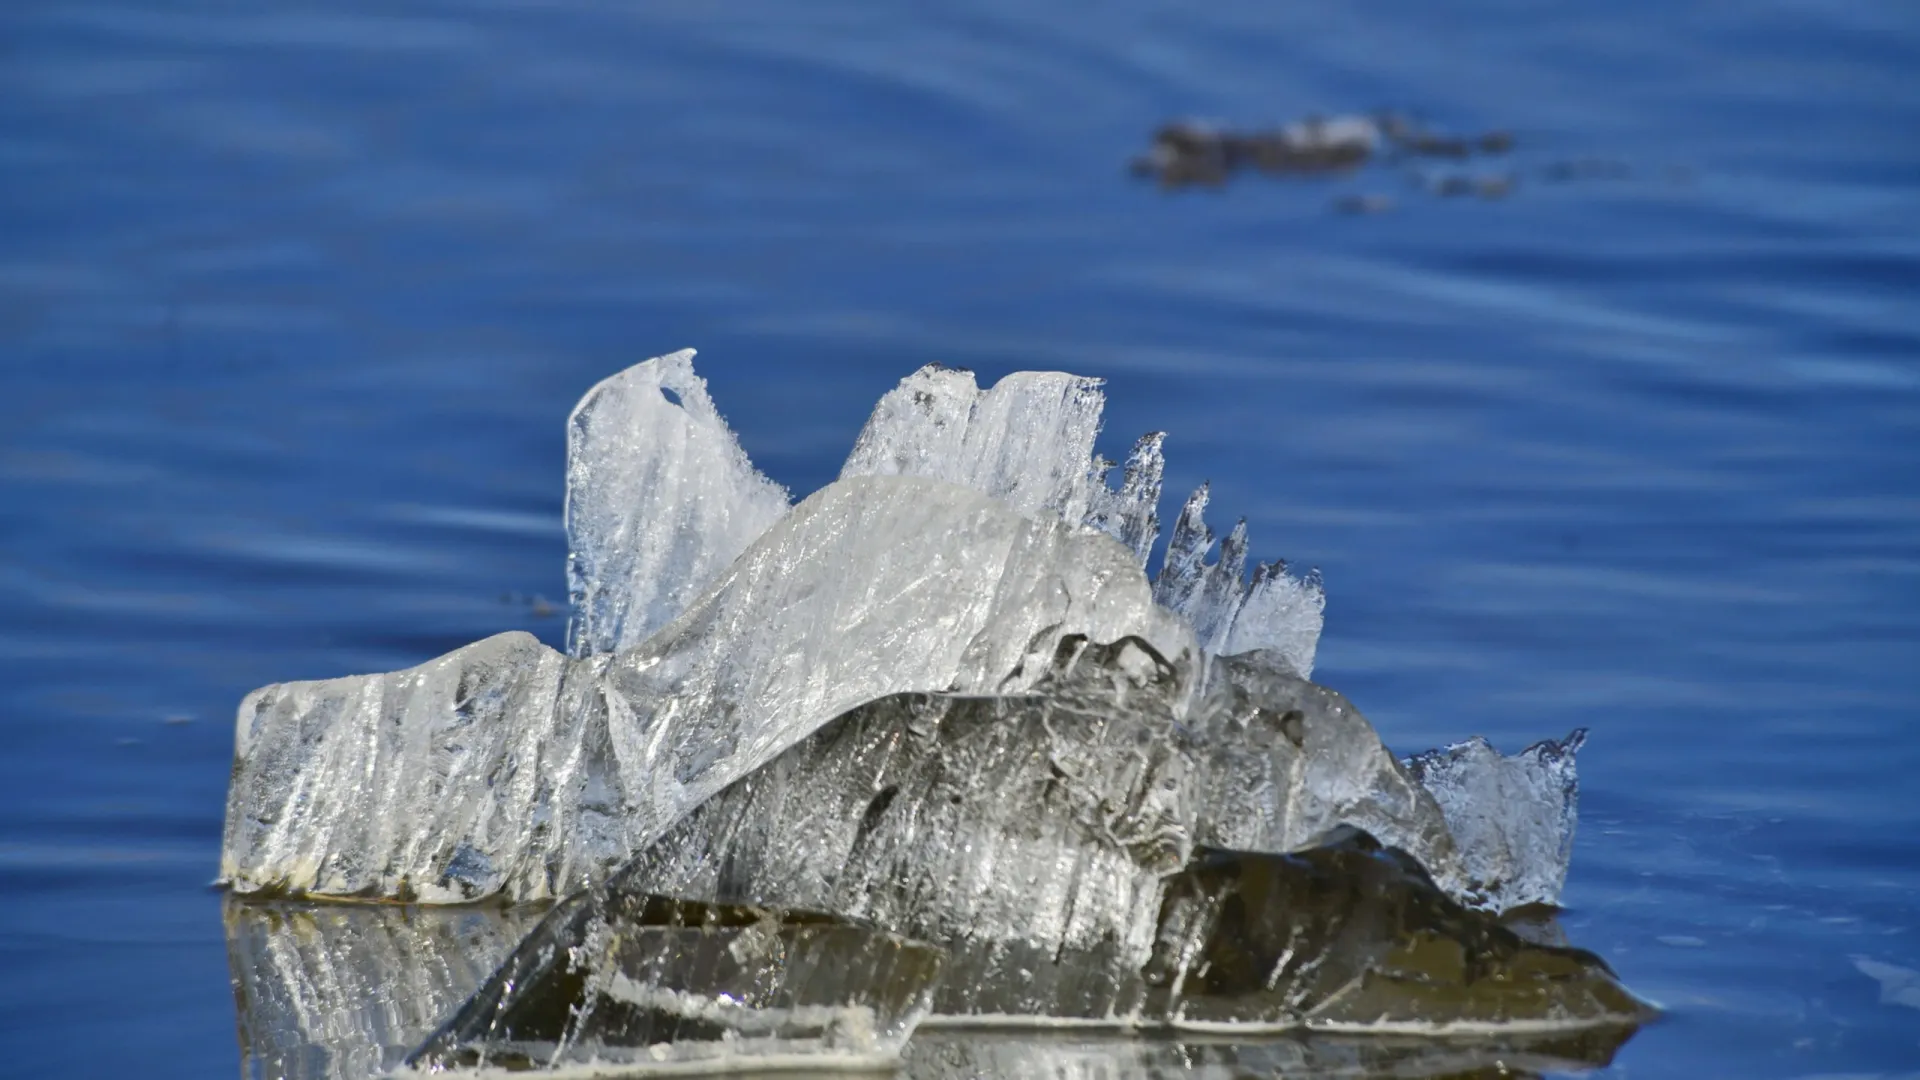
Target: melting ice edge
928 743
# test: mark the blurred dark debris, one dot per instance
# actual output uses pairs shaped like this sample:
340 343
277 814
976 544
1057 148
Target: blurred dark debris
538 606
1193 154
1363 204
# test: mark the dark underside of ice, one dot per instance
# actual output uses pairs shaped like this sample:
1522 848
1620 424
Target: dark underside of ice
926 749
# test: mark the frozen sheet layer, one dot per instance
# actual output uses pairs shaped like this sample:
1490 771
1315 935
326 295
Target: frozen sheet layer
1028 441
660 499
505 768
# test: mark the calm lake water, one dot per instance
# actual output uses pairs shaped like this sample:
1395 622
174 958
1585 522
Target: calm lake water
295 298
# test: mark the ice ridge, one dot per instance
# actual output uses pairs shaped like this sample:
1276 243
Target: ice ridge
661 497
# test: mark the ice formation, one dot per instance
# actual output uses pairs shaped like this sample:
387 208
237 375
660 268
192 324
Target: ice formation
506 768
1512 817
1028 442
345 992
929 738
703 645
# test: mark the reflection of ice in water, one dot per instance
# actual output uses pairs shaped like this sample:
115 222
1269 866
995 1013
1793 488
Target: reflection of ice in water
343 991
959 1054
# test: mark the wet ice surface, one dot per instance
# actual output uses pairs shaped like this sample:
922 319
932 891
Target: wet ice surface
931 741
504 768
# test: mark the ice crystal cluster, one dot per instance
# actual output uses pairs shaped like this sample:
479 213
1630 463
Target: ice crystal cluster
929 742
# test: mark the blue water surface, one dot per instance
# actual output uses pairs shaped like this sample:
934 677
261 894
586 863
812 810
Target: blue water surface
295 296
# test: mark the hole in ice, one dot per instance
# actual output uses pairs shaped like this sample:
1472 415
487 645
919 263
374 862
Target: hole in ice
672 398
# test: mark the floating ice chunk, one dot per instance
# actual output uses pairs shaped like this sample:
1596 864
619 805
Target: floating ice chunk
660 499
632 979
1028 441
504 768
1512 817
344 991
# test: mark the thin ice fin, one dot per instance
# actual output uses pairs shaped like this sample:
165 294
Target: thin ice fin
1028 441
1183 570
660 499
1132 514
1513 817
1277 612
1281 613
